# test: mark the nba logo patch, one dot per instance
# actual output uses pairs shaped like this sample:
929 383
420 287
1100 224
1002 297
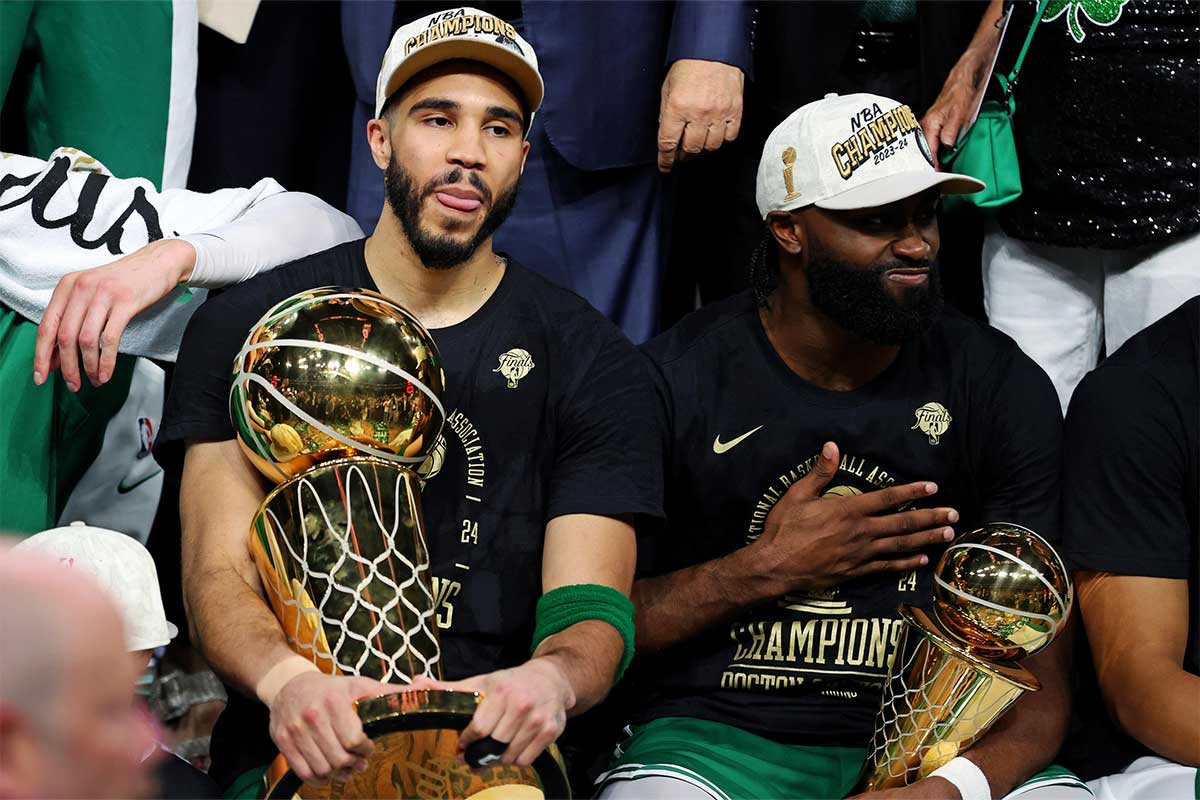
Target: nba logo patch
145 436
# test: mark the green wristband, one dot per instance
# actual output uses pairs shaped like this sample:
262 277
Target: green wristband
559 609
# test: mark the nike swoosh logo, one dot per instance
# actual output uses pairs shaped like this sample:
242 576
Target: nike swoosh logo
720 447
123 489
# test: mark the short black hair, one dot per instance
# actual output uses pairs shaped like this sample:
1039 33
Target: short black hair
764 268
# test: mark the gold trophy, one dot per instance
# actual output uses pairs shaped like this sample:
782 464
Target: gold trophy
1001 593
337 399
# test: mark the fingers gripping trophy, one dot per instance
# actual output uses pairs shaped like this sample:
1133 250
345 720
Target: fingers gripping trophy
336 398
1001 593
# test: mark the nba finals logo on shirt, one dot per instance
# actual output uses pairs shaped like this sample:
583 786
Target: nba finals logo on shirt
876 136
514 365
933 420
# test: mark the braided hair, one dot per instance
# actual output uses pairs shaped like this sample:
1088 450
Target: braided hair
764 268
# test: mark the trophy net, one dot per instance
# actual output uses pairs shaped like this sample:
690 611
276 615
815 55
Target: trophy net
344 564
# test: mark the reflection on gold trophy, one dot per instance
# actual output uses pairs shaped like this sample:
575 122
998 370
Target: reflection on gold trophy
337 399
1001 593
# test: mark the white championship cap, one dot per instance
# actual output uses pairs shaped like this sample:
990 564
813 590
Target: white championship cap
459 33
122 566
851 151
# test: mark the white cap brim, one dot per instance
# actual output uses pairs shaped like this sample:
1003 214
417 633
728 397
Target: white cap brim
898 186
493 54
134 644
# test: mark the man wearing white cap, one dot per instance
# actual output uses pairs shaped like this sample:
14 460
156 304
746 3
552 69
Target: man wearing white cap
68 727
124 567
126 572
529 518
823 432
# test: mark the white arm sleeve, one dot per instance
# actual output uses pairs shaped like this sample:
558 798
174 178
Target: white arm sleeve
274 230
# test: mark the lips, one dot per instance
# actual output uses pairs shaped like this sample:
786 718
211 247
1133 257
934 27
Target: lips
908 275
458 198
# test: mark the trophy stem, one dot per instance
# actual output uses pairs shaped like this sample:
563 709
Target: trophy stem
938 701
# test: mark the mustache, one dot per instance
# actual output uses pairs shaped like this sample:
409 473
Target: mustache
455 176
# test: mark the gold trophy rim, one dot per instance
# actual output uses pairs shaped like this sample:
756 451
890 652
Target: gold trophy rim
353 461
408 702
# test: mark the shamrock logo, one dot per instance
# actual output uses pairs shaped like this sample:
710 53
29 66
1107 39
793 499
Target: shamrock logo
1101 12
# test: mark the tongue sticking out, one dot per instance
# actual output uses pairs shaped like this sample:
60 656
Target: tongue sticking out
458 203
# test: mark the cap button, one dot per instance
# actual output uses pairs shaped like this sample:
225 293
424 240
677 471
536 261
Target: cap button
831 94
78 524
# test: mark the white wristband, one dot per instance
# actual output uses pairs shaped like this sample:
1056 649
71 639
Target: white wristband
967 777
278 676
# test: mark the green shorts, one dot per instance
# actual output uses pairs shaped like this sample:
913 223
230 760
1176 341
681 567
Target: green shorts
732 764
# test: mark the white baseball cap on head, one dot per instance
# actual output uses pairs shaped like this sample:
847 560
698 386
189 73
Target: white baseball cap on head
122 566
459 33
849 151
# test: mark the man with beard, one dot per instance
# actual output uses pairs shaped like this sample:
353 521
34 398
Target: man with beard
822 433
531 515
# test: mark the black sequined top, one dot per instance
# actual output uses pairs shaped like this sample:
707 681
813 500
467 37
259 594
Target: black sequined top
1108 128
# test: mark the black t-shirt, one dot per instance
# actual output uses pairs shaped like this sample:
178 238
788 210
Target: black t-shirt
1131 484
961 406
573 436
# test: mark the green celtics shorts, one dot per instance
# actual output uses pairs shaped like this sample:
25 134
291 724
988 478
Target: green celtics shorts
732 764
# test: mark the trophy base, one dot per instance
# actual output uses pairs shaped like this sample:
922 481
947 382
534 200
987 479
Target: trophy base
416 756
940 698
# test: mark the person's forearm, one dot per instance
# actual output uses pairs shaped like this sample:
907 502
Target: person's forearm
987 36
588 654
1028 737
238 633
236 629
1159 708
675 607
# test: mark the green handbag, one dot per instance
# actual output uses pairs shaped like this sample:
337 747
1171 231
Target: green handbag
988 150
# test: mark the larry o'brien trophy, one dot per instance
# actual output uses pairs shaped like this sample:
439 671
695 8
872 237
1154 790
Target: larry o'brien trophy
337 399
1001 593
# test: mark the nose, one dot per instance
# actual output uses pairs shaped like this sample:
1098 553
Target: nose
911 244
466 149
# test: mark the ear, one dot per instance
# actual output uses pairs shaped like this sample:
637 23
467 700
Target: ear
524 155
379 136
788 232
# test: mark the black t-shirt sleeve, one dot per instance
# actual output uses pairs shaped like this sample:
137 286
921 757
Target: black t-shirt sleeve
1124 478
607 458
197 407
653 532
1020 462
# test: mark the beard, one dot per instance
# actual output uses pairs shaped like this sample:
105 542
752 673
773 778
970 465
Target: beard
858 300
440 251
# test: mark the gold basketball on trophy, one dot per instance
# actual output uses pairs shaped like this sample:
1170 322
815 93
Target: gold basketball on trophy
1002 591
332 373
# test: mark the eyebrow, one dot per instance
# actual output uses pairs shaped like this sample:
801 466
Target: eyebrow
446 104
436 104
501 112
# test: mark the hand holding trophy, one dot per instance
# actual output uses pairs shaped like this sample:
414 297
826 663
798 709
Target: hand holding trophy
336 398
1001 594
